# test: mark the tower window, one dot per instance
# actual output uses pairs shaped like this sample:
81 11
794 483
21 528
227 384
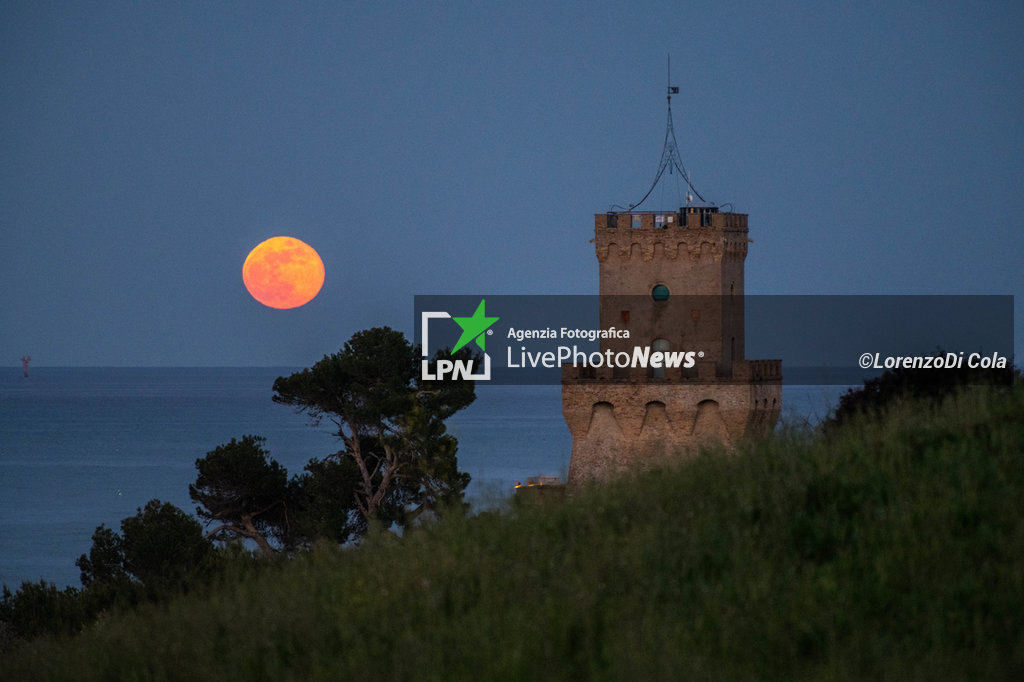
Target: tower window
660 292
635 222
659 222
660 345
705 218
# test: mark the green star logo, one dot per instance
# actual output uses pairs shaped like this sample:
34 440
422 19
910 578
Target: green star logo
474 328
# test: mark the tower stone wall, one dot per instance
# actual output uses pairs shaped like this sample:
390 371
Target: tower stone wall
675 281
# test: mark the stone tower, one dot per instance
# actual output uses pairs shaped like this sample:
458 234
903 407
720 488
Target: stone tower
674 279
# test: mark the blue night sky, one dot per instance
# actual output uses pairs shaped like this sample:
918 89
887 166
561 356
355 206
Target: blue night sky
456 147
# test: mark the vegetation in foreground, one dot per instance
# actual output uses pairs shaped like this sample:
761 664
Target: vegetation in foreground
889 548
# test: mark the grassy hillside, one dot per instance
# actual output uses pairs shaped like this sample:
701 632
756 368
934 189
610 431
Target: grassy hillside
892 550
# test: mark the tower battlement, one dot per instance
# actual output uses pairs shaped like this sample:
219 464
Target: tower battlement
690 235
687 217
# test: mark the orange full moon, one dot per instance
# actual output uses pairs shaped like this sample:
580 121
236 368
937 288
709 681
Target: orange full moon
283 272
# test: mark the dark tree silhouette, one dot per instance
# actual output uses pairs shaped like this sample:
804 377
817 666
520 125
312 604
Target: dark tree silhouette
104 564
390 422
323 499
917 383
161 547
240 487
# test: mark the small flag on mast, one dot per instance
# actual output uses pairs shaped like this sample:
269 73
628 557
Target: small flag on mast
673 90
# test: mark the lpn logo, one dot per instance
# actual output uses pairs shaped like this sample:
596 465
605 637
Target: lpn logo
474 330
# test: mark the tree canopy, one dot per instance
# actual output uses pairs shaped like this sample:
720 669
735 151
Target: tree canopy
240 487
390 423
161 546
918 383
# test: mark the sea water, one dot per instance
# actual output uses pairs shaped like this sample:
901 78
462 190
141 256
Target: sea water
80 447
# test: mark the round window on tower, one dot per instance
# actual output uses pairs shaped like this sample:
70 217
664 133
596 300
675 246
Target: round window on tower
659 292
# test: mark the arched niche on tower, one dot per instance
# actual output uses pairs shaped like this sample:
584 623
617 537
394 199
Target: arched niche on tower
709 426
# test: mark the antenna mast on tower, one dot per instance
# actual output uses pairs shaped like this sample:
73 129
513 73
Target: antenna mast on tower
670 157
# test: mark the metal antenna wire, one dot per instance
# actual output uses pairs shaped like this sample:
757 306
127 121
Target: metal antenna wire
670 157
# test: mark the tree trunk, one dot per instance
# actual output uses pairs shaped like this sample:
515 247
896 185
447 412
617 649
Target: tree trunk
251 532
